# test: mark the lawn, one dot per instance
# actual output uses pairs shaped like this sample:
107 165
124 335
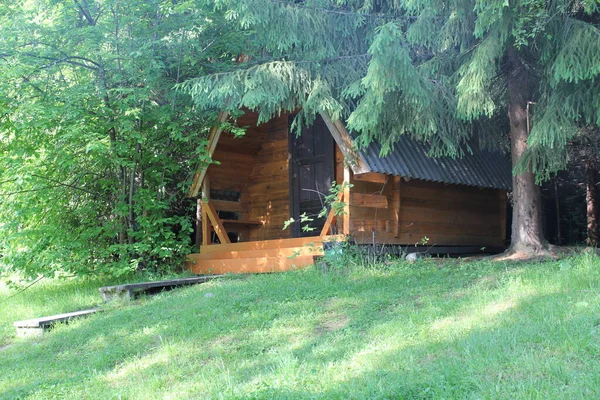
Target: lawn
432 329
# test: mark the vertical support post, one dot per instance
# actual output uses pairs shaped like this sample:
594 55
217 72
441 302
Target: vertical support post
396 203
199 219
346 219
205 222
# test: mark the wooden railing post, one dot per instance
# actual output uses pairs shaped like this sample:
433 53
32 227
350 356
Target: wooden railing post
346 191
216 223
331 216
205 223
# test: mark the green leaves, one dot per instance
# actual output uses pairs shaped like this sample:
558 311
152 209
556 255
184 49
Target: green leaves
95 145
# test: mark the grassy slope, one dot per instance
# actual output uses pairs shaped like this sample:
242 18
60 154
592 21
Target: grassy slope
478 330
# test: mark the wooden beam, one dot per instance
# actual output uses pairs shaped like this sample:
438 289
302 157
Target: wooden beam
272 244
213 139
205 227
346 144
331 216
346 191
206 239
375 177
396 204
216 223
198 242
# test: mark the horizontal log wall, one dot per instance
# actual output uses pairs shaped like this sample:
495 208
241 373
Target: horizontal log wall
429 212
269 191
235 159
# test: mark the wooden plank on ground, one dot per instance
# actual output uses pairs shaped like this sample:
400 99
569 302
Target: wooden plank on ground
129 289
307 250
36 326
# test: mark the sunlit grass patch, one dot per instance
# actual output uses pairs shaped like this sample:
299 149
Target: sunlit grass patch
423 330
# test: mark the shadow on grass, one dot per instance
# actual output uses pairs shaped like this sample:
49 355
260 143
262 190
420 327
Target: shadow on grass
405 334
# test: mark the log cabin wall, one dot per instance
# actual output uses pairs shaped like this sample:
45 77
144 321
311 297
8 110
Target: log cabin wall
451 214
384 209
387 209
269 191
236 157
405 212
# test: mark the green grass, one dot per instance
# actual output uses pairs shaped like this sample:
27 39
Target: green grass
415 331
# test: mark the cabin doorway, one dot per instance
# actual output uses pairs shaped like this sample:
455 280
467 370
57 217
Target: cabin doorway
312 170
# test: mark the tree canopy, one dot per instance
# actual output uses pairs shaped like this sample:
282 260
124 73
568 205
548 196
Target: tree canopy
95 145
443 71
104 104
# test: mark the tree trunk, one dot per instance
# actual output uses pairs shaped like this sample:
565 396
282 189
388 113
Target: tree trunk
527 235
591 177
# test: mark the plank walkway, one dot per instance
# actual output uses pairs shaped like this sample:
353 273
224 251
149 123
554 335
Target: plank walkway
37 326
128 291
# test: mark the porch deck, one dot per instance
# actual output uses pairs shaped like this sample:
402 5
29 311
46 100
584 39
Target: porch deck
258 256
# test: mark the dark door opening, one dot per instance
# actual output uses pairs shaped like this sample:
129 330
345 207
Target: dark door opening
312 171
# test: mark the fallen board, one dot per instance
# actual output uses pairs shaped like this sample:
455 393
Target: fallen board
36 326
127 291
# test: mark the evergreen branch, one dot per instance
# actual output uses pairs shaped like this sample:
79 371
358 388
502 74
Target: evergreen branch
290 62
376 16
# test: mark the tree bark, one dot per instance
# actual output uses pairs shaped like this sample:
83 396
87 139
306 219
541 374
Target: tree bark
527 234
591 177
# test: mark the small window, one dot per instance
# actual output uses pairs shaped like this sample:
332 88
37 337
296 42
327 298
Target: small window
225 195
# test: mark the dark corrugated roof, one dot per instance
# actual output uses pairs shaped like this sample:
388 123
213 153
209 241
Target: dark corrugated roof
409 158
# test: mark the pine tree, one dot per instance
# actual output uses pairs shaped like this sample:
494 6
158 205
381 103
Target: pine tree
441 71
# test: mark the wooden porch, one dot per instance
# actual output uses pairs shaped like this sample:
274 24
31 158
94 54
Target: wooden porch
258 257
261 256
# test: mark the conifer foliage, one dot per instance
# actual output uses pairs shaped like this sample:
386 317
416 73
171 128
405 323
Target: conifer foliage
442 71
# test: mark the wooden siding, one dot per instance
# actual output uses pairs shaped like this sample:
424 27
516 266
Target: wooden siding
445 214
269 192
382 208
236 158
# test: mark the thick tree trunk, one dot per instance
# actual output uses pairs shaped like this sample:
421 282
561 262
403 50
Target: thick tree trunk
527 235
591 177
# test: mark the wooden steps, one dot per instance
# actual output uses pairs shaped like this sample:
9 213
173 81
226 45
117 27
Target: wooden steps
257 257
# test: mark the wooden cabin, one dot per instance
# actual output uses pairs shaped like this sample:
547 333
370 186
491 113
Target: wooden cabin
269 175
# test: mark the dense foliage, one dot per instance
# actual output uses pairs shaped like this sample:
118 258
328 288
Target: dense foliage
95 145
104 104
443 71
